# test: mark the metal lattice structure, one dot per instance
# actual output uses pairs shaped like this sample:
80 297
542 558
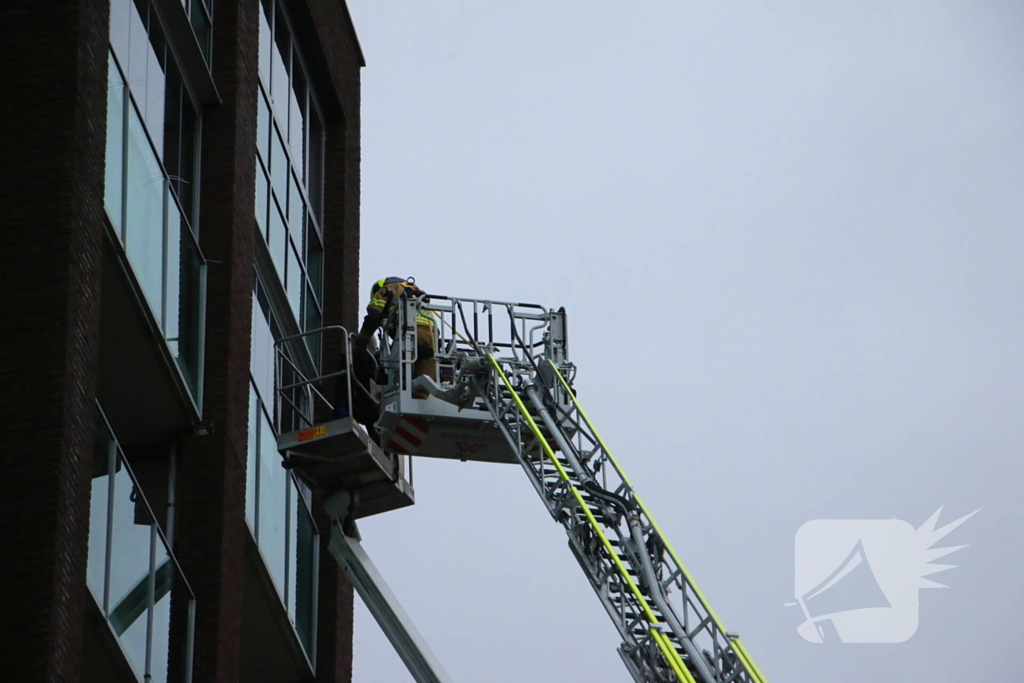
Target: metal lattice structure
517 369
503 393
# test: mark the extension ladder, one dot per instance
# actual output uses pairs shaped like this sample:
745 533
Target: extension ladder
505 394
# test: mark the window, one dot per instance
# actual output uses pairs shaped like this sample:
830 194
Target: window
199 16
150 194
289 169
131 570
278 506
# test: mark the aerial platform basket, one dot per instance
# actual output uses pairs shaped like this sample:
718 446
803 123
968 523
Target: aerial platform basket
339 455
333 455
431 429
453 421
502 391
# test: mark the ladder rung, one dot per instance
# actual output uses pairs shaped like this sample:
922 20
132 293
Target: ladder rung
524 419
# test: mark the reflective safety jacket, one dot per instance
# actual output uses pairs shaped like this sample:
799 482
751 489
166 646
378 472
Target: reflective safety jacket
398 288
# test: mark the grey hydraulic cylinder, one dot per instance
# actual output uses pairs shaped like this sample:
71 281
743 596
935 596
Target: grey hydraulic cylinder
654 586
379 599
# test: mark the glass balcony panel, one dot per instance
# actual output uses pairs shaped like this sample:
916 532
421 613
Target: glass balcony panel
288 401
262 355
191 321
272 521
294 282
289 552
173 268
114 173
144 232
120 17
252 461
278 165
294 407
296 208
186 186
263 129
315 172
262 195
133 641
129 568
142 571
184 267
129 540
277 237
164 581
180 142
297 118
314 259
279 66
152 101
96 565
302 607
312 320
138 48
266 46
201 27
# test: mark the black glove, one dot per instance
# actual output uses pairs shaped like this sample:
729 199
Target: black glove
370 324
362 359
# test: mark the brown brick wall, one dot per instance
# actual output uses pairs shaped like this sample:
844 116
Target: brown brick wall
342 300
212 527
341 187
53 114
211 532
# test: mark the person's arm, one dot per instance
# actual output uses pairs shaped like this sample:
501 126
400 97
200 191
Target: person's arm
375 311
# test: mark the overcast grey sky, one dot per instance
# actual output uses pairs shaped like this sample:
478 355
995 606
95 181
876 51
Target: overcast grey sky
789 238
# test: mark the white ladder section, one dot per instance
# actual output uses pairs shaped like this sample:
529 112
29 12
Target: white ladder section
502 392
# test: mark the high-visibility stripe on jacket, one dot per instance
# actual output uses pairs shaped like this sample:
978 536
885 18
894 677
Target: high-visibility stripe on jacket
379 299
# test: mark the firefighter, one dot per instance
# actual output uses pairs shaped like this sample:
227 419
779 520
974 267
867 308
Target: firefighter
365 406
383 295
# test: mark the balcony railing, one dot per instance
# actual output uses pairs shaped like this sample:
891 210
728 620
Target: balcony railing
278 512
199 17
131 570
154 231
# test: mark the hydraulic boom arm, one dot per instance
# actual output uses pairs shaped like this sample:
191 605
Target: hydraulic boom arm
522 377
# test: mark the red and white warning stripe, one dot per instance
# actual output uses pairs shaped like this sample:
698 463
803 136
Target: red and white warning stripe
408 435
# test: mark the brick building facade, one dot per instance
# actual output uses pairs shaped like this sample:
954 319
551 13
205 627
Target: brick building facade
180 188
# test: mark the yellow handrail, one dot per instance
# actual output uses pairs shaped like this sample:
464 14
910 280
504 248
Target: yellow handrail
659 638
740 650
673 658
